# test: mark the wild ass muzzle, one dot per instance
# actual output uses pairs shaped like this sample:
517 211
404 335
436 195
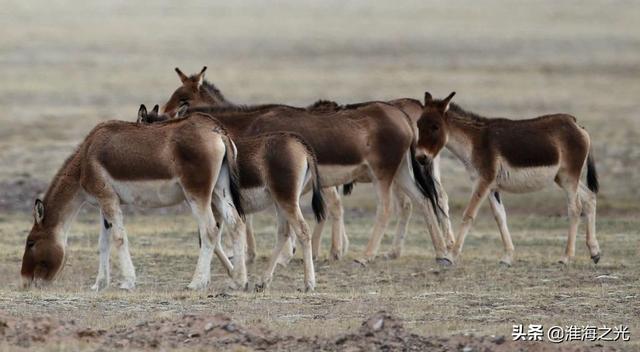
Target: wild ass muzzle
517 156
371 140
276 169
147 166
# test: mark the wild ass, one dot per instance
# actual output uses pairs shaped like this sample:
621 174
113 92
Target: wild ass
274 168
343 140
517 156
147 166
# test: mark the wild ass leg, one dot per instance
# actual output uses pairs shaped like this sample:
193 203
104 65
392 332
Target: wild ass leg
236 232
209 238
403 208
383 188
301 229
289 249
500 215
251 240
336 213
443 199
588 200
104 243
574 209
316 237
113 216
404 180
480 191
282 237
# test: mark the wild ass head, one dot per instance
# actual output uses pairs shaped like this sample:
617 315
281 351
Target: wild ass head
153 116
43 253
432 131
194 91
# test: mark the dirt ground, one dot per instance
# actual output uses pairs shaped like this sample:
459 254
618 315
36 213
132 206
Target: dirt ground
65 66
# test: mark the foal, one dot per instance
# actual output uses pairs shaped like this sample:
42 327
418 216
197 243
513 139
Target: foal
517 156
148 166
275 168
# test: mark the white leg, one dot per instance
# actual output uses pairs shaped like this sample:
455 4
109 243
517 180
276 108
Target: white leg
302 232
588 200
121 242
574 208
206 225
383 190
282 235
404 180
251 240
104 245
480 191
443 199
288 251
403 207
500 215
237 232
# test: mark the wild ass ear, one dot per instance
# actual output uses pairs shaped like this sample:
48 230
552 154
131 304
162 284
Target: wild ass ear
38 211
155 109
201 76
444 105
182 76
142 113
427 98
182 110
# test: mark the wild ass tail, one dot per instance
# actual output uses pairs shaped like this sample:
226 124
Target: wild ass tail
423 175
317 201
592 174
234 175
347 188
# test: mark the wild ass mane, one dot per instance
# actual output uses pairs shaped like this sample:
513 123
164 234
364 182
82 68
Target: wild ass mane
214 92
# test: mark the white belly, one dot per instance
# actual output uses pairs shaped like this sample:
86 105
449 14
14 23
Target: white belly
335 175
525 179
149 193
256 199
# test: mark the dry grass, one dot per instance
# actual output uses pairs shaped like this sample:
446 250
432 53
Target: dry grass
67 65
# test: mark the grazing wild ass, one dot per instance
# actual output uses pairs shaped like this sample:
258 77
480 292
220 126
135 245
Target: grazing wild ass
147 166
517 156
360 141
274 168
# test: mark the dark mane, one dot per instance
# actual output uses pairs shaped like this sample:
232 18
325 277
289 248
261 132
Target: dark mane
214 93
237 108
323 106
467 115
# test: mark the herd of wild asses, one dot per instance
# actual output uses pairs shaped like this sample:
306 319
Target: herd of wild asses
229 161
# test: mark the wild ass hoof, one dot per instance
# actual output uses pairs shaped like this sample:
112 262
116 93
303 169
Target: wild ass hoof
444 261
595 258
261 287
564 261
309 286
127 285
505 264
197 286
100 285
362 261
392 254
335 256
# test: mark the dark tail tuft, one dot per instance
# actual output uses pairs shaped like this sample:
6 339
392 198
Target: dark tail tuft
592 174
425 181
234 177
317 202
347 188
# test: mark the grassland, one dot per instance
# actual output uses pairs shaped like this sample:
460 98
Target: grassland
67 65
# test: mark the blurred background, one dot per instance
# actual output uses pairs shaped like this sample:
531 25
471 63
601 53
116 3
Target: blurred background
66 65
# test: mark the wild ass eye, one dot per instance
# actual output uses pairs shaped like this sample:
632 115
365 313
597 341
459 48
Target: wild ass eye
30 243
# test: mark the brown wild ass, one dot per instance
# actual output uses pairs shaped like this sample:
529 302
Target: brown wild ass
359 141
147 166
403 205
517 156
274 168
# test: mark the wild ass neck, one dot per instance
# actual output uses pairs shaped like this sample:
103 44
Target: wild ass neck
64 198
459 141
